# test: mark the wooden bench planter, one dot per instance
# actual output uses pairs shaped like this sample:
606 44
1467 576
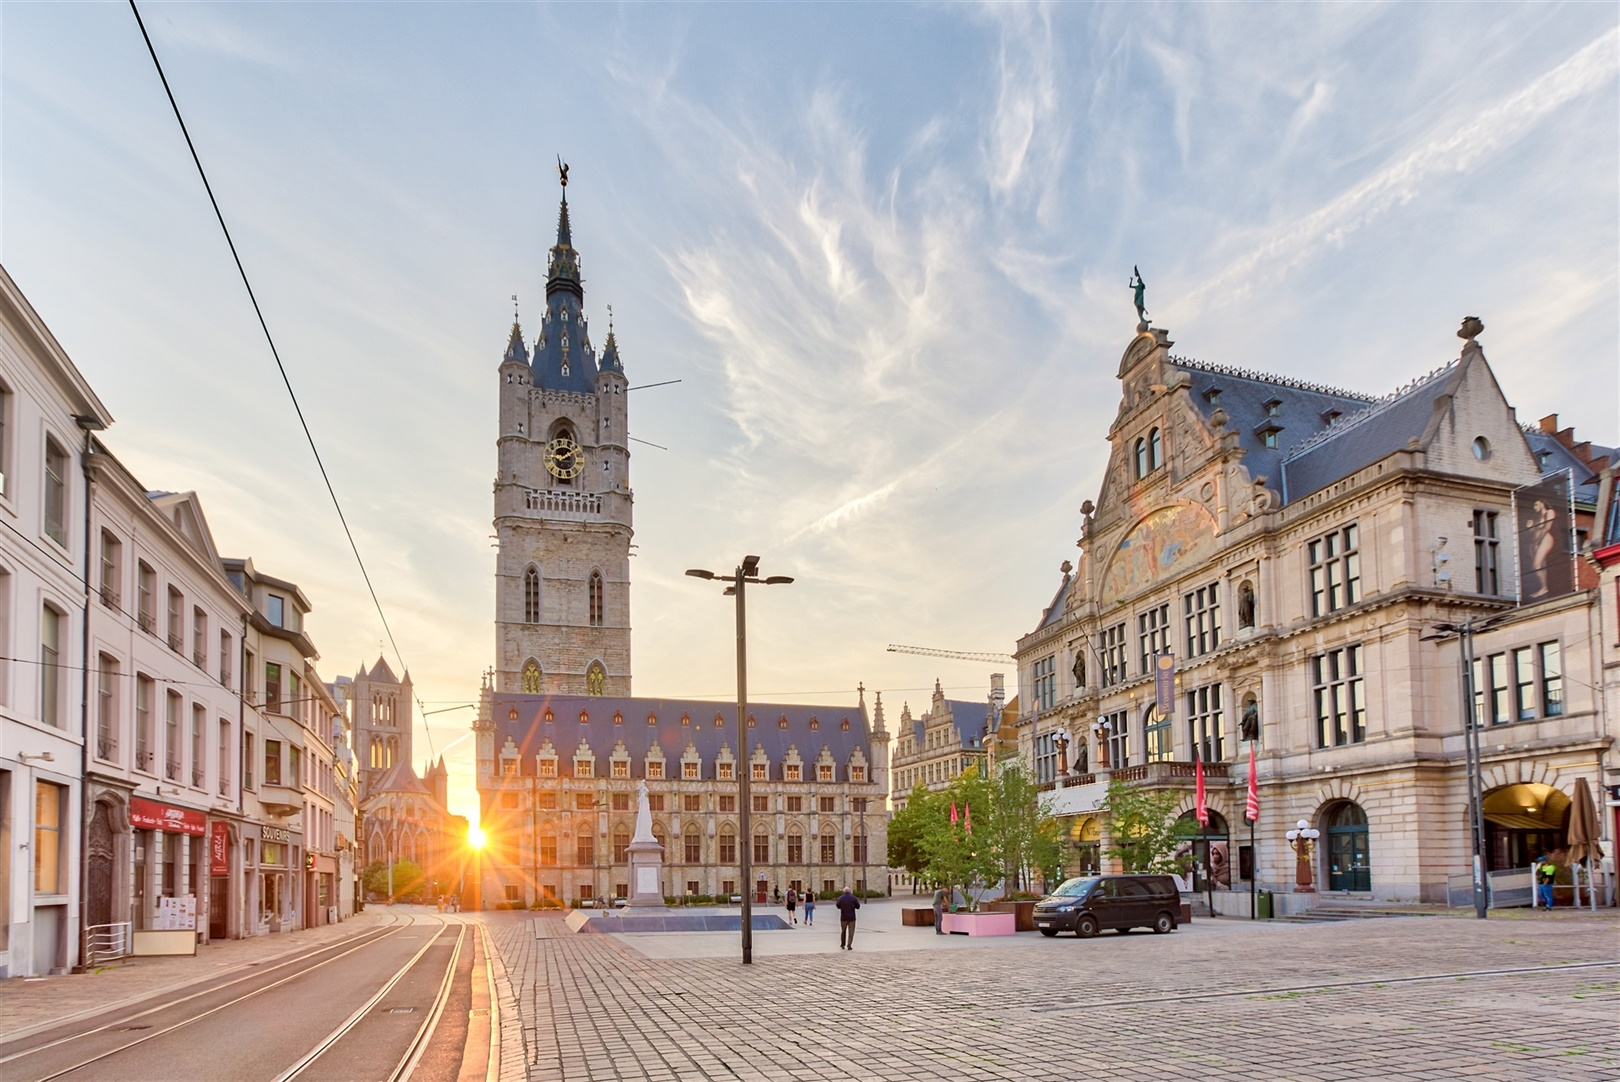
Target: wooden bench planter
981 923
1023 910
917 917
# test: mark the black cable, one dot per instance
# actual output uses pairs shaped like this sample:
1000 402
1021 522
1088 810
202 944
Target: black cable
265 327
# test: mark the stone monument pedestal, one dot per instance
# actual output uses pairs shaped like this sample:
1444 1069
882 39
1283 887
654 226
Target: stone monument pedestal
646 860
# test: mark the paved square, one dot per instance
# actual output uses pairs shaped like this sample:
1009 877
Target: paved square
1434 997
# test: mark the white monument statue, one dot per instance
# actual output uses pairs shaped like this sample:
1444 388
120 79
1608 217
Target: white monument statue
646 859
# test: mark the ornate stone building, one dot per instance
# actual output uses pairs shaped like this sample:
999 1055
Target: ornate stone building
937 746
562 499
1296 551
561 744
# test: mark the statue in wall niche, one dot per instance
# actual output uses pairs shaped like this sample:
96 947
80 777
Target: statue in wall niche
1245 604
1249 726
1082 764
1079 669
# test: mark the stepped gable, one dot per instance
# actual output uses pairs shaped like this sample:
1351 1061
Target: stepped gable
1361 439
529 730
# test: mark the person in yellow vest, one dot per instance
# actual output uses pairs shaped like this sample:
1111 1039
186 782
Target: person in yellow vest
1546 872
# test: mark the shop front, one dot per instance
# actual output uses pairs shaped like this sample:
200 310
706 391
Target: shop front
170 882
280 879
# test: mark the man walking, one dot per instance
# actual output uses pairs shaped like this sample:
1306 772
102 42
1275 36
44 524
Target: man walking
847 904
1546 876
939 911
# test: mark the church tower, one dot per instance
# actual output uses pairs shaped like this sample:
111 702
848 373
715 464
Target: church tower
562 499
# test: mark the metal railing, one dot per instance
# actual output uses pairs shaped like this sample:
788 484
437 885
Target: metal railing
1509 888
104 942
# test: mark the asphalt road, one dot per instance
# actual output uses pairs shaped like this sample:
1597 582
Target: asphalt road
354 1010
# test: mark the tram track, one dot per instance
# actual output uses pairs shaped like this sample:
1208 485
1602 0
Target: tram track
116 1061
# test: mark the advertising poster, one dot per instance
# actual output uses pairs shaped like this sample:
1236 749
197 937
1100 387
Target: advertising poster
1544 522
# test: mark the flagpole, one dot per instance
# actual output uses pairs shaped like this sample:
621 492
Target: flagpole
1254 873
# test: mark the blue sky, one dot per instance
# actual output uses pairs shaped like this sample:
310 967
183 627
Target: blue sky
884 248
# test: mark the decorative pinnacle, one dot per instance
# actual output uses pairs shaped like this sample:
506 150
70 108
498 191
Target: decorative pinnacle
562 171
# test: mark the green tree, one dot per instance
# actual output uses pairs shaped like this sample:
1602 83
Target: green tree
408 878
1145 831
906 831
1025 834
966 853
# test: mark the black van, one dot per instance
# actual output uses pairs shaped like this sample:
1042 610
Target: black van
1086 906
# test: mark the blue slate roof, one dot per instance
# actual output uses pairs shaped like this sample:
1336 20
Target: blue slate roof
1054 611
1359 440
1303 410
968 717
563 358
809 729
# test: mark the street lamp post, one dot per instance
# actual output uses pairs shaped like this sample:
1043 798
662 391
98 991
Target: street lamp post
1301 839
747 572
1465 632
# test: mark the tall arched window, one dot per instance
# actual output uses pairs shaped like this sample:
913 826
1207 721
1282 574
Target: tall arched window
692 845
376 753
531 677
1155 450
829 848
393 751
531 596
1159 740
1141 459
596 599
596 679
728 845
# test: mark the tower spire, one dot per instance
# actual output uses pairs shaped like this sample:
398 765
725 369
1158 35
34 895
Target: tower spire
563 272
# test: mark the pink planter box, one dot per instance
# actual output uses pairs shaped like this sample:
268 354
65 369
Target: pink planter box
980 923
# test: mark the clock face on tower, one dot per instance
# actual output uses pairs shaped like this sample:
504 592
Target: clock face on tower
564 458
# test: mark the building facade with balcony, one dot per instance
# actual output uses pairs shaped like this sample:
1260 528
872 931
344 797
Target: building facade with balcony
1296 553
165 714
557 778
47 411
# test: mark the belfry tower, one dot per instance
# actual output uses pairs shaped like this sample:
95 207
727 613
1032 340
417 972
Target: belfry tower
562 499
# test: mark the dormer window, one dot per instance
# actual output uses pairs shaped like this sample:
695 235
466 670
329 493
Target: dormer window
1271 436
1274 407
1213 396
781 722
655 770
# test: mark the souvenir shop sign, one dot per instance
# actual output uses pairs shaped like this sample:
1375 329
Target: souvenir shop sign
150 815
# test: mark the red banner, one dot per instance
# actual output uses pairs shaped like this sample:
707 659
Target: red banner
150 815
219 849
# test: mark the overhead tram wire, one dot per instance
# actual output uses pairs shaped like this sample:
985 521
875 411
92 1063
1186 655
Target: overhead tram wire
270 340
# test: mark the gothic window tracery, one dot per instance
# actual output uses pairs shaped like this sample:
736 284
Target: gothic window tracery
596 598
531 677
596 679
531 596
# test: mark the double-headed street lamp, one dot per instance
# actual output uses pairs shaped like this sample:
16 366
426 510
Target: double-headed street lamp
1465 632
747 572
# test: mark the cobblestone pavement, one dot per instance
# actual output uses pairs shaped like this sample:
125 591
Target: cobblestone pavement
1411 998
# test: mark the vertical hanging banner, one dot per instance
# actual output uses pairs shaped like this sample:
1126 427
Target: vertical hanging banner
1164 685
219 848
1544 528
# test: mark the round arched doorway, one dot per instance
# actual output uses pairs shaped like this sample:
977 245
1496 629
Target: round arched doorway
1085 835
1522 822
1208 850
1349 864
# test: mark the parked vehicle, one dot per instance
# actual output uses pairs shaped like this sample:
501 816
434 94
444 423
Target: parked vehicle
1087 905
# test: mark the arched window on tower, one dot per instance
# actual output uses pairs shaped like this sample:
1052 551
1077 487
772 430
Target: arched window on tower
393 751
1141 459
596 599
1155 450
531 596
376 753
531 677
596 679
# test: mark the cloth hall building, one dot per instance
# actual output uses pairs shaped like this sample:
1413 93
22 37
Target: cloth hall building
561 743
1297 553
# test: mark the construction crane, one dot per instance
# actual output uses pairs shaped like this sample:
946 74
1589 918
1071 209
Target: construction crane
959 655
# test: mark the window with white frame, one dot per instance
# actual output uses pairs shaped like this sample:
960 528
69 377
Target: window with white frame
1340 697
1202 611
107 708
56 472
1487 554
1153 634
1205 723
112 557
1111 648
1046 682
1335 564
52 628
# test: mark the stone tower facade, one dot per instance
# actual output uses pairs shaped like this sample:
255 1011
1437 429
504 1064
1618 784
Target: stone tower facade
380 711
562 499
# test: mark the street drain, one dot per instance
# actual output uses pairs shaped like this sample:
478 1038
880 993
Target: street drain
401 1010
